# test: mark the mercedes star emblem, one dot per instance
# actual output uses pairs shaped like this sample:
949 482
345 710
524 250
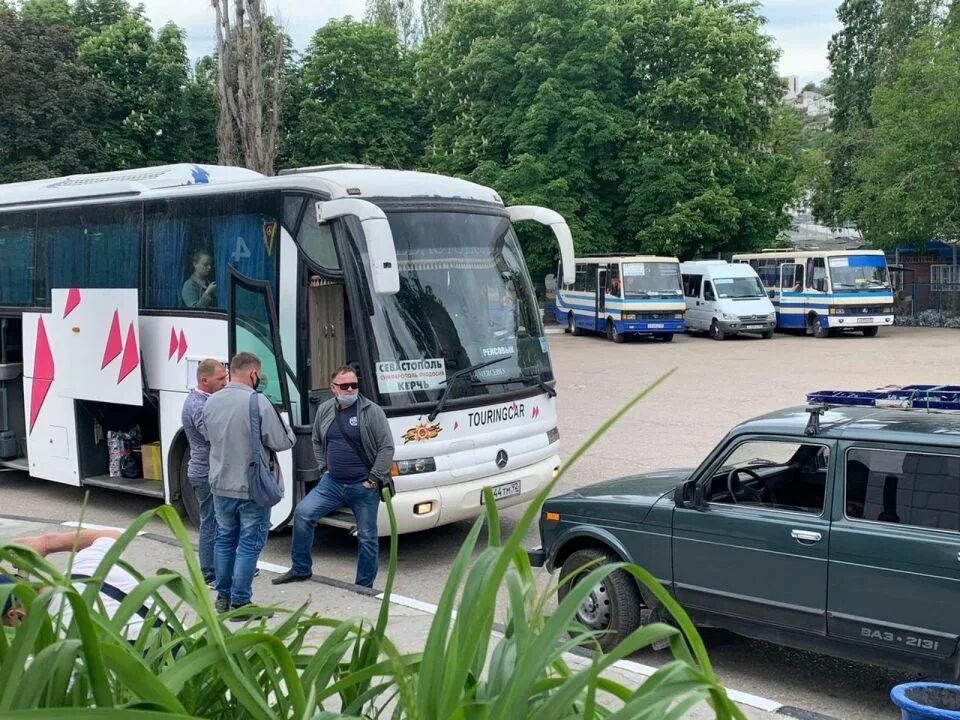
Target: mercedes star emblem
501 459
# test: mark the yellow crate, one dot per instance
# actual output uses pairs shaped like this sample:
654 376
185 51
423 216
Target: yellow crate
152 465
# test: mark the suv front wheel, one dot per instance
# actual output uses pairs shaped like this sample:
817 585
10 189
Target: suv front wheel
614 607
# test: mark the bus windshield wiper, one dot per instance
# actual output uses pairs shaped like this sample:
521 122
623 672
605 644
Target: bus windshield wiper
451 381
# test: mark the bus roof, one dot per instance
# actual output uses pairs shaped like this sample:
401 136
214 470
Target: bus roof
166 180
601 259
785 253
376 182
119 183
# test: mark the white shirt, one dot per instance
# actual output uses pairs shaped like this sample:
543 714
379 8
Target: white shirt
86 562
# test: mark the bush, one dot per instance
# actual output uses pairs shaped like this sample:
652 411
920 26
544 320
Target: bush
196 666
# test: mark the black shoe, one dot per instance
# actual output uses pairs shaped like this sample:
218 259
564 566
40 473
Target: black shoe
290 576
254 615
222 605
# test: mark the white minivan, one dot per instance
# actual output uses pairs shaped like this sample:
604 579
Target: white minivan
726 299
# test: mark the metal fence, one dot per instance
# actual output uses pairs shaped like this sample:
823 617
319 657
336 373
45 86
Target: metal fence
928 304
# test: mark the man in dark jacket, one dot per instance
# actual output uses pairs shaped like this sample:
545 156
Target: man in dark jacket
354 448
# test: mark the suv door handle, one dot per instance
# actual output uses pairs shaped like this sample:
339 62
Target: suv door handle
806 536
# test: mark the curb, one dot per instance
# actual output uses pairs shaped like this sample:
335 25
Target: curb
628 666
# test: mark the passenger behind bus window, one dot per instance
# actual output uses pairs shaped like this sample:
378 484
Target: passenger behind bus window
798 284
615 285
198 290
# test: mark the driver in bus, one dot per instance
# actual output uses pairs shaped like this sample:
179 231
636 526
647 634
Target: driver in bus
198 290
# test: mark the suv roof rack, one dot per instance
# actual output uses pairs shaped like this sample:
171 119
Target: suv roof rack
911 397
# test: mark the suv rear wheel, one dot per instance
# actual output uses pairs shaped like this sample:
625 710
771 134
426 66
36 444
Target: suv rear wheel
613 607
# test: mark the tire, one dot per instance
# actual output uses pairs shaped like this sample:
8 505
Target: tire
613 333
767 335
716 332
816 329
188 498
666 337
870 331
572 325
615 606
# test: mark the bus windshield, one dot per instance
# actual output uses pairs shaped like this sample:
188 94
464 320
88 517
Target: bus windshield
465 298
741 287
859 272
651 279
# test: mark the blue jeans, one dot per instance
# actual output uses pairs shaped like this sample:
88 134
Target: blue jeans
242 528
327 496
208 526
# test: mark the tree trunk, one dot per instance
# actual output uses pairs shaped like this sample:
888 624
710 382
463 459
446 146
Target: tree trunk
248 89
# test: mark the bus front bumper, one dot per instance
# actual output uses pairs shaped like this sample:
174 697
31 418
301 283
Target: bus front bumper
652 326
426 508
855 322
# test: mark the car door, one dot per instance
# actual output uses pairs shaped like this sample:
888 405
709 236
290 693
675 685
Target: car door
895 550
708 305
758 562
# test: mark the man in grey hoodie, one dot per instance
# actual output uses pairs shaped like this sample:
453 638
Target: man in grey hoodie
242 525
353 446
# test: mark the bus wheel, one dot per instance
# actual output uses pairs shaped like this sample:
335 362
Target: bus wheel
870 331
613 333
666 337
188 496
572 325
816 328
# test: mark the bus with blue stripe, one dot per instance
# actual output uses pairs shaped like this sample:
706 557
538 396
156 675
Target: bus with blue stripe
826 292
623 296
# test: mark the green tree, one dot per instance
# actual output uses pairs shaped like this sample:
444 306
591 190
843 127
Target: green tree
398 15
359 103
47 94
906 183
863 54
651 124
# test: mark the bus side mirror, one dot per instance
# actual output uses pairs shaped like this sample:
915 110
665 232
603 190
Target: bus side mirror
553 220
381 251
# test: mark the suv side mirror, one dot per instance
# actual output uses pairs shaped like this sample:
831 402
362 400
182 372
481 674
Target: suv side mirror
688 494
698 496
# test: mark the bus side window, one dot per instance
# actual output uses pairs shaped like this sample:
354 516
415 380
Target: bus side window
817 274
613 280
581 277
17 270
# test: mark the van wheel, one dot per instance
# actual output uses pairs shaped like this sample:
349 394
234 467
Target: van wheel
614 607
613 333
716 332
572 325
767 335
188 497
870 331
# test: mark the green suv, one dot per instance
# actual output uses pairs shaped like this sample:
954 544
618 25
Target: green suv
826 528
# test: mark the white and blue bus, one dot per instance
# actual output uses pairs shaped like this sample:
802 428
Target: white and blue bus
825 292
114 286
623 295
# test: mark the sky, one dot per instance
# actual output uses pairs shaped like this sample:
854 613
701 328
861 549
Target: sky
800 28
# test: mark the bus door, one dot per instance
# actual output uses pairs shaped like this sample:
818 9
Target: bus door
326 326
792 310
601 321
253 327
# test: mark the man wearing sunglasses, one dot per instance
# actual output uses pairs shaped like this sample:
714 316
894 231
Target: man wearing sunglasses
354 448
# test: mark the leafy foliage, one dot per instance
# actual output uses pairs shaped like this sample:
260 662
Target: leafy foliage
307 666
650 123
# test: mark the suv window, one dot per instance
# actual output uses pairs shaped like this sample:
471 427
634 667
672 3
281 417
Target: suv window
905 488
774 475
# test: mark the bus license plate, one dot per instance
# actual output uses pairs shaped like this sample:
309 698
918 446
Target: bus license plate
654 325
504 491
864 320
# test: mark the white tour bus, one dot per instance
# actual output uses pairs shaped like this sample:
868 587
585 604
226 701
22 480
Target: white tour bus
415 279
622 296
825 292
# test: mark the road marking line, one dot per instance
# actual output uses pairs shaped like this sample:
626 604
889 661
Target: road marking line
411 603
94 526
271 567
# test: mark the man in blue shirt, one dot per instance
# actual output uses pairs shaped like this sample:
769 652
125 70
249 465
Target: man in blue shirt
353 446
211 377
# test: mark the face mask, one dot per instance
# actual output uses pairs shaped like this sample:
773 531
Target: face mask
256 383
347 400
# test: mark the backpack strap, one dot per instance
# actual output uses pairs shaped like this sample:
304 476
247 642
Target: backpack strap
115 593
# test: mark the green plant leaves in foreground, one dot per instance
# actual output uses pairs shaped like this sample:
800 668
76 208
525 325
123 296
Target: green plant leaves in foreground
306 666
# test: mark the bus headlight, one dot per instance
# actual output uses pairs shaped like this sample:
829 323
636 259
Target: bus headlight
553 435
628 316
412 467
678 316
